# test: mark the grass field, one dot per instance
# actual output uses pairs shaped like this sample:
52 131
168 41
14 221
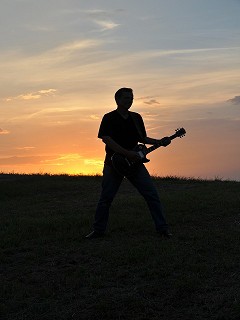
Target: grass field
49 271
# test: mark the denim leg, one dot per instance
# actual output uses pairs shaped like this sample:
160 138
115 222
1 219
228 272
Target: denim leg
110 185
144 184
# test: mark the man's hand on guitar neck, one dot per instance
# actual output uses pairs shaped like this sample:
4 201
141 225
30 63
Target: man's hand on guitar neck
164 141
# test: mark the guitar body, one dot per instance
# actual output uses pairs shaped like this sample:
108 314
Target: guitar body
142 150
125 167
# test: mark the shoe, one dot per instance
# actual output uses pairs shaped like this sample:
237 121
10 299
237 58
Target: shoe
95 235
165 234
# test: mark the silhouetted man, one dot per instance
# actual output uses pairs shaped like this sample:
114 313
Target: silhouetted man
121 130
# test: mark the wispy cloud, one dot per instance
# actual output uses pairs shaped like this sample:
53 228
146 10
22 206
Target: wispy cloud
235 100
103 18
2 131
93 162
72 157
76 45
25 148
94 117
33 95
106 25
152 102
19 62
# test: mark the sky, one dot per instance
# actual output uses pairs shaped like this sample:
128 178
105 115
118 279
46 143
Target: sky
61 61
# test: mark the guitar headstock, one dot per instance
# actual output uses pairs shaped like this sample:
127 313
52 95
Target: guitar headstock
180 132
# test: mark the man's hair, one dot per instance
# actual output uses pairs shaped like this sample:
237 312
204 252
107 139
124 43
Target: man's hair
119 93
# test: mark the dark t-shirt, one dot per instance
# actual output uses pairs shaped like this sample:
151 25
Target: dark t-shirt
122 131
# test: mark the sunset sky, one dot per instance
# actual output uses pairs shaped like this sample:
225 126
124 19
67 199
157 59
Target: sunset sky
61 62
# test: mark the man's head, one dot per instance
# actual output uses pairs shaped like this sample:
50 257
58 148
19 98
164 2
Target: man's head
124 97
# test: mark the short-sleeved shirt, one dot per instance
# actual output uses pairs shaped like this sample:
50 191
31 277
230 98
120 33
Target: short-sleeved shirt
123 131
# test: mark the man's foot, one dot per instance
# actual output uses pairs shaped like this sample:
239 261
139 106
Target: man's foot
94 235
165 234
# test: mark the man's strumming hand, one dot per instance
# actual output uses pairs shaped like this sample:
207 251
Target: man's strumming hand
133 155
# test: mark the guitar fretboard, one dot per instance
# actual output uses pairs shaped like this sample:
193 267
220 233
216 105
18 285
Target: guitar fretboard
158 145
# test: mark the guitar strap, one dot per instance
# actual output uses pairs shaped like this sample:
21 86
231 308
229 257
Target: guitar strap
136 123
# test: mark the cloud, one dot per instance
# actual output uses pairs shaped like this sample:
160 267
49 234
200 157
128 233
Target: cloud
59 160
106 25
235 100
76 45
25 148
48 91
2 131
33 95
103 18
94 117
151 102
93 162
48 65
72 157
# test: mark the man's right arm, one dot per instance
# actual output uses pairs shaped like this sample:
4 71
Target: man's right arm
131 155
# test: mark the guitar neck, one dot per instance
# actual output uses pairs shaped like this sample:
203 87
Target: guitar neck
158 145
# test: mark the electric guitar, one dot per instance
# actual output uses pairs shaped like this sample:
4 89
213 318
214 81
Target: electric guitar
126 167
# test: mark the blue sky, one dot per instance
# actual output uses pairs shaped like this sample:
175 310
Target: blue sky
62 61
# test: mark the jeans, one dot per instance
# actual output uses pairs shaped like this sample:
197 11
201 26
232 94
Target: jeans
143 182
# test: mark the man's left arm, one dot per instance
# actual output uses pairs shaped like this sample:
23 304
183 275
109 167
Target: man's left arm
164 141
144 138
